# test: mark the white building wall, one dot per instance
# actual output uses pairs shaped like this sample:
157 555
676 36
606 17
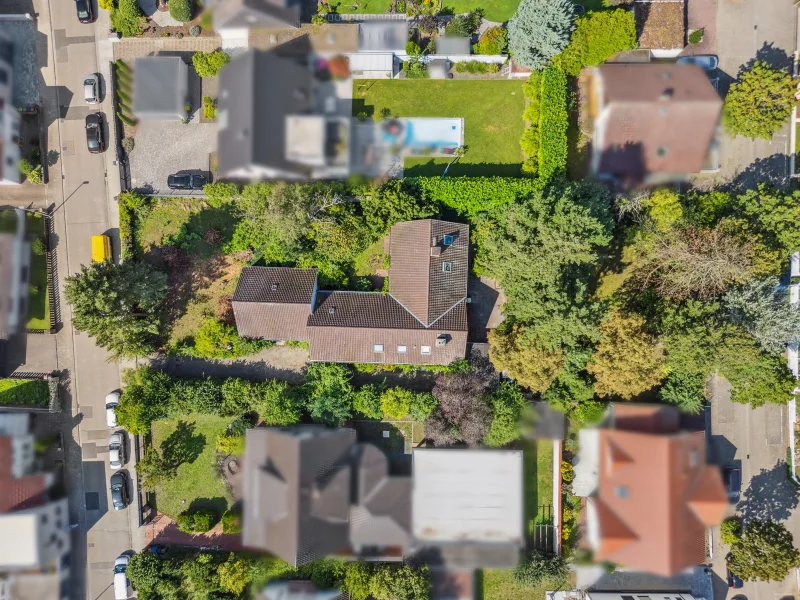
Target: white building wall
9 128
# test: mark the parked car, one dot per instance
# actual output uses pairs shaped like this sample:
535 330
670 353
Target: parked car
116 450
112 401
119 490
733 484
120 577
84 8
734 581
91 89
94 133
708 61
186 181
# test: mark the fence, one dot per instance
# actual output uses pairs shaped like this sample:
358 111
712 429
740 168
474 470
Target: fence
355 17
122 156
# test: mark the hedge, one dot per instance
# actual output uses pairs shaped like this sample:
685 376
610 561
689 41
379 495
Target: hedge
530 137
553 122
131 204
181 10
471 196
24 392
197 521
597 37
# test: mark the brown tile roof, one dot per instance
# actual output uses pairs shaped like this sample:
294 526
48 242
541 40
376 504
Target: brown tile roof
18 493
272 321
646 418
417 278
659 24
277 285
658 118
653 511
363 319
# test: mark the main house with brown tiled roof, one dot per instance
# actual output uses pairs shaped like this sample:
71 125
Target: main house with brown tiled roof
648 496
422 320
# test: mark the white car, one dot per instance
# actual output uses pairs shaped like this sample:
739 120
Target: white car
120 578
116 450
112 401
708 61
91 89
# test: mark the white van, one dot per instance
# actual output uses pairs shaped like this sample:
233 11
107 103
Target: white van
120 578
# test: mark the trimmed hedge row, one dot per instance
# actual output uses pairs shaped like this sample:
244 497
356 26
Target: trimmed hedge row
553 122
530 137
471 196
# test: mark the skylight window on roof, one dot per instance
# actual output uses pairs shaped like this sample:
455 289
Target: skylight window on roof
448 240
447 267
377 347
425 349
402 349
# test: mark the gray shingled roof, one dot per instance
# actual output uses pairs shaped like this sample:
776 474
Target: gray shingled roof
159 85
256 13
276 285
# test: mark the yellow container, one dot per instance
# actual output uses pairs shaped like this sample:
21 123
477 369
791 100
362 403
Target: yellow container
101 248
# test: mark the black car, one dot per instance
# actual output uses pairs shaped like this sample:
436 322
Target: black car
734 581
186 181
94 133
119 490
733 484
84 8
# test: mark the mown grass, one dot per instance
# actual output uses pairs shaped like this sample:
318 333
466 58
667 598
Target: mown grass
24 392
492 113
198 483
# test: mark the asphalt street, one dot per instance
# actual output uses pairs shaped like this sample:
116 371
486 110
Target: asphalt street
83 187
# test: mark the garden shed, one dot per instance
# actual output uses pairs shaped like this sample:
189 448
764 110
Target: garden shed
160 88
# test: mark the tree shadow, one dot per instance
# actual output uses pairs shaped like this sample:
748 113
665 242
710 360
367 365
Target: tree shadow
773 170
769 496
182 445
768 53
218 505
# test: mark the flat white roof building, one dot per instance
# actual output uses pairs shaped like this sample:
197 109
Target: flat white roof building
467 506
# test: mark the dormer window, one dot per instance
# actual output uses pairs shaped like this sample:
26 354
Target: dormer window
377 348
448 240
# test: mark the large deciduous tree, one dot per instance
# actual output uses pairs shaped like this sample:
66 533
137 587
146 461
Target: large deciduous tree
627 361
393 202
329 393
764 311
118 305
695 262
764 552
759 102
514 352
539 30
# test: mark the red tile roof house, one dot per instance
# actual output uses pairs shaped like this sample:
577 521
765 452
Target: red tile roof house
648 496
653 123
421 321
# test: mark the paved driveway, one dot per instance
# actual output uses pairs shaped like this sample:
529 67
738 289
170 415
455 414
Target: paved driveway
756 442
164 148
747 30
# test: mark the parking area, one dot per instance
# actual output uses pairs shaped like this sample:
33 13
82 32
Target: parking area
190 149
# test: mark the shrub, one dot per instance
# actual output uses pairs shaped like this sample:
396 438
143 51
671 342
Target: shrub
126 18
476 67
367 401
106 4
598 36
126 119
464 25
759 102
215 339
553 122
231 522
730 530
318 20
415 69
36 154
208 64
197 521
493 41
218 194
536 566
412 48
181 10
38 247
194 31
25 166
35 176
209 107
127 144
696 36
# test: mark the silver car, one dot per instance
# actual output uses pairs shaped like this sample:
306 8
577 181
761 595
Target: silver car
112 401
707 61
91 89
116 450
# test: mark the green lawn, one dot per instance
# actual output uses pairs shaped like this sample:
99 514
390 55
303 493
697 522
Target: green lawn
492 113
499 584
25 392
363 6
198 482
538 464
493 10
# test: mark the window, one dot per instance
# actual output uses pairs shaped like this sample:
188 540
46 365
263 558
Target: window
377 347
402 349
425 349
448 240
447 267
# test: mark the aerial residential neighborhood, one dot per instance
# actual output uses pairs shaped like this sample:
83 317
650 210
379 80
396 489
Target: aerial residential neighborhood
399 300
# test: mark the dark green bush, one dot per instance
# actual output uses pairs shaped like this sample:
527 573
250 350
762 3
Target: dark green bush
476 67
38 247
696 36
197 521
412 48
194 31
208 64
492 41
25 166
553 122
231 522
218 194
181 10
126 18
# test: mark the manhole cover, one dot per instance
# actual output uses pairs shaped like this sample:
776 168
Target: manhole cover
92 501
68 148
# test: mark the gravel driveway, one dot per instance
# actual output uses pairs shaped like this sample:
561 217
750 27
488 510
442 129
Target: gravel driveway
166 147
